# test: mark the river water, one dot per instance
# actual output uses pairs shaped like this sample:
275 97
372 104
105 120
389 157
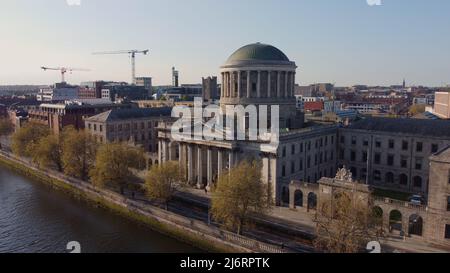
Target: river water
35 218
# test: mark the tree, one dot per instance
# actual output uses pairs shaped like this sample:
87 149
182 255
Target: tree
78 152
416 109
47 152
346 224
25 140
239 194
163 181
113 165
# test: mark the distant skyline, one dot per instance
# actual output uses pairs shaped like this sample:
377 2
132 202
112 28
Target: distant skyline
343 42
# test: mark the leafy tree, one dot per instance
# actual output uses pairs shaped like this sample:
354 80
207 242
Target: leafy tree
346 224
113 165
416 109
78 152
163 181
47 152
239 194
25 140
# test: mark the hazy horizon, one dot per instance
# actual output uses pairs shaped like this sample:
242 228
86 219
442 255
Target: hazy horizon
342 42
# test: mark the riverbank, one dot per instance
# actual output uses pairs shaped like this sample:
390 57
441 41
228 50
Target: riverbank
193 232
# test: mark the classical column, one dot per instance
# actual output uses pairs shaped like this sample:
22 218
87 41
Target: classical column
268 84
219 162
231 84
293 84
199 168
278 84
160 147
230 159
170 147
226 84
190 164
239 84
166 151
209 167
223 85
258 87
286 80
249 84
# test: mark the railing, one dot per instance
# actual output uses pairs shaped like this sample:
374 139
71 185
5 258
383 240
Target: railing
400 204
156 212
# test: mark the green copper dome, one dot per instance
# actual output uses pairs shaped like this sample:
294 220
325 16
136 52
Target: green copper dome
258 52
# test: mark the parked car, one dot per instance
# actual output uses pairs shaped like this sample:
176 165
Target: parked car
417 200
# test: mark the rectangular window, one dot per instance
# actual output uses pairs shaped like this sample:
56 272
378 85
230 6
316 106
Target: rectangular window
364 157
332 139
95 127
284 151
390 160
366 142
447 231
404 162
405 145
283 171
448 177
352 156
419 147
353 140
377 158
293 149
301 147
101 128
301 165
292 167
391 144
418 163
448 203
434 148
378 144
89 126
342 139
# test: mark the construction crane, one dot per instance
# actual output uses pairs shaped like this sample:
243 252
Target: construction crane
63 70
132 54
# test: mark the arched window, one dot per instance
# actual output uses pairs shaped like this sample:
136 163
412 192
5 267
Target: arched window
395 220
298 198
312 201
415 225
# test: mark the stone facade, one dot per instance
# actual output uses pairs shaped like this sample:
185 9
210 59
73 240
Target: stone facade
438 224
395 159
136 126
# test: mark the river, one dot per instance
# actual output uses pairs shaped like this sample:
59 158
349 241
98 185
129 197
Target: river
36 219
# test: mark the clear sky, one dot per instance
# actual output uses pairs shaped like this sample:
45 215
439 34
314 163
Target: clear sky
343 41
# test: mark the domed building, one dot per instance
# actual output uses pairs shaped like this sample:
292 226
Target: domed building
261 74
258 74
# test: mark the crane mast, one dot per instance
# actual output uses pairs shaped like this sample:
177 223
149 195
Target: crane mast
132 54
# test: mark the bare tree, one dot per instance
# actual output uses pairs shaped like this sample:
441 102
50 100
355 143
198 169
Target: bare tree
345 224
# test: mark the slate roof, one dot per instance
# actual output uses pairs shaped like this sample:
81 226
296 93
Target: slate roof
422 127
132 113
